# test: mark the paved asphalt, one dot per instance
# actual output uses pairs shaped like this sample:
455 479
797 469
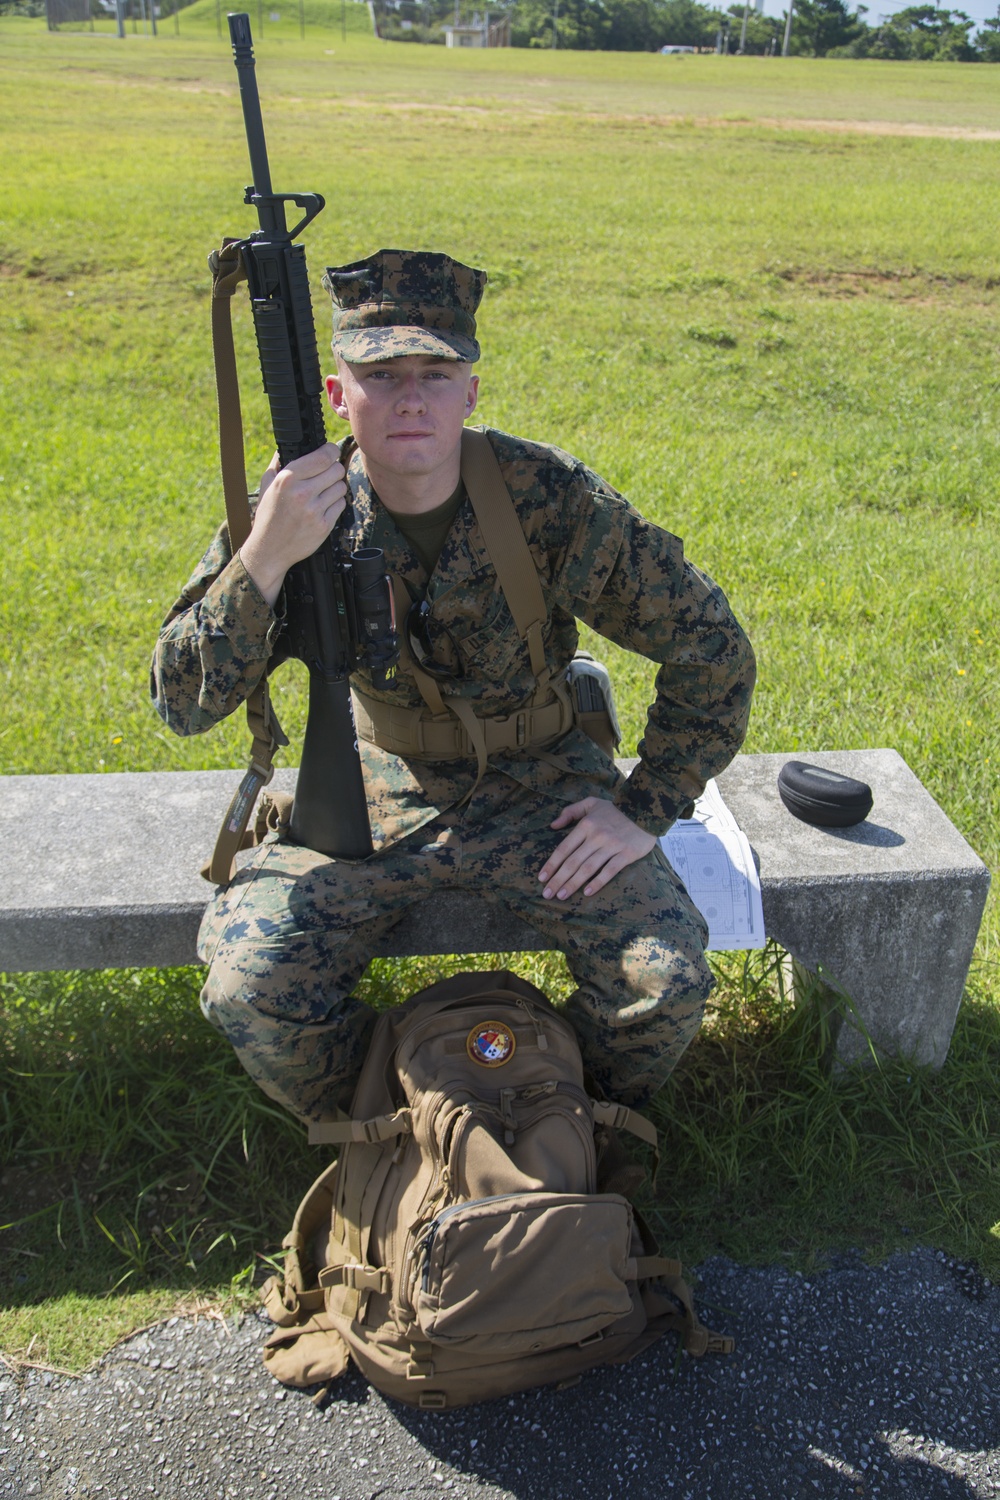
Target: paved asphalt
879 1382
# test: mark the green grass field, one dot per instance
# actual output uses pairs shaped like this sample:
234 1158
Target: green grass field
745 290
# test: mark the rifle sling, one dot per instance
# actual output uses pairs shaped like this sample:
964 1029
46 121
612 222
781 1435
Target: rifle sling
228 270
448 727
505 543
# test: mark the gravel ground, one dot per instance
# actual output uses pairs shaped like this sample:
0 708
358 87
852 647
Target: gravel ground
857 1381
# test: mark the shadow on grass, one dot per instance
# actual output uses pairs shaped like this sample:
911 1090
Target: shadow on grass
135 1152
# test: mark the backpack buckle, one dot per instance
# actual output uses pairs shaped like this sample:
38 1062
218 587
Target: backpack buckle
384 1127
367 1279
420 1365
356 1277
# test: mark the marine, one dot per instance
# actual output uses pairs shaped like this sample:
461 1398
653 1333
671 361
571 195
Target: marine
476 773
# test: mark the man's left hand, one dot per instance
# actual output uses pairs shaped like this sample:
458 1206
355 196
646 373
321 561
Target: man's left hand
602 840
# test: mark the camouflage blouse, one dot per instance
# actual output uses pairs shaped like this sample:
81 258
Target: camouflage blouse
598 561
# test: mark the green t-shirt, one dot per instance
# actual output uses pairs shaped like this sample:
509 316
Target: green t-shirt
426 532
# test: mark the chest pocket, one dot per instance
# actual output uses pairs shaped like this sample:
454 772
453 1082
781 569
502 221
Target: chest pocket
476 617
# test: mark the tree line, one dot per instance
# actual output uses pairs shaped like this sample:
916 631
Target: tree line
820 28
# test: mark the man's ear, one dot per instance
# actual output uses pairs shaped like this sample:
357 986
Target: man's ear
335 396
472 396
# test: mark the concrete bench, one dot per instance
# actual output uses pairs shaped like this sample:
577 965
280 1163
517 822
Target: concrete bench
101 871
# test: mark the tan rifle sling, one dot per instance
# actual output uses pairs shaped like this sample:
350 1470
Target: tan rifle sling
448 727
228 271
505 543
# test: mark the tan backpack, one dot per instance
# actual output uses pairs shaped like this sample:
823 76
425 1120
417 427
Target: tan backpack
471 1240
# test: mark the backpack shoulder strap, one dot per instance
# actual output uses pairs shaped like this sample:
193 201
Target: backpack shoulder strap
505 542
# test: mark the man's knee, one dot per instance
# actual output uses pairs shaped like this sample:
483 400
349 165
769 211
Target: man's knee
304 1047
634 1030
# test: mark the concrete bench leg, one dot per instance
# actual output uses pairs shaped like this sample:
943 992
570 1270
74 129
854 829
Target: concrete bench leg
902 957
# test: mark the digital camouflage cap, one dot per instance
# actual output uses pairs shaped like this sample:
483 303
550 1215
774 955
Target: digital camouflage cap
400 302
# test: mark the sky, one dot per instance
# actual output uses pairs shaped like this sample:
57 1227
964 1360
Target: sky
977 9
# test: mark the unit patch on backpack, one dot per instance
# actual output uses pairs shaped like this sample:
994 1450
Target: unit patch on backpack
491 1044
474 1237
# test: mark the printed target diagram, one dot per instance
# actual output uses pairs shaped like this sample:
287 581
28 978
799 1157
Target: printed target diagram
712 856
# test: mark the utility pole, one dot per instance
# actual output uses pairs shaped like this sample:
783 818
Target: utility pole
743 32
788 29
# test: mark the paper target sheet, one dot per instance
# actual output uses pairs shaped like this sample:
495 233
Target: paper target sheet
712 856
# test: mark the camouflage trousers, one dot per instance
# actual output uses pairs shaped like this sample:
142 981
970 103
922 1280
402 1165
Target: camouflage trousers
288 940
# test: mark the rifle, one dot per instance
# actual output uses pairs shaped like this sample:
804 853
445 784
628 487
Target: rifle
339 611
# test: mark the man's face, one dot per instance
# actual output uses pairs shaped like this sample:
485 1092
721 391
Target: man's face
406 414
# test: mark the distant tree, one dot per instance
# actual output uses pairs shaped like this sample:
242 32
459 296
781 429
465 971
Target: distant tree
685 23
820 25
615 25
954 44
575 24
762 30
884 42
820 28
631 25
988 40
921 33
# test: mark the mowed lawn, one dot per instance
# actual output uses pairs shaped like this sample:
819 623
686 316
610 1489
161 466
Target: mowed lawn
779 342
758 296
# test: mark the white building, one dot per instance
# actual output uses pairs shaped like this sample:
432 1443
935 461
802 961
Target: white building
480 33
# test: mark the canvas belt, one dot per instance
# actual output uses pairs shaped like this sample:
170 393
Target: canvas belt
446 726
422 735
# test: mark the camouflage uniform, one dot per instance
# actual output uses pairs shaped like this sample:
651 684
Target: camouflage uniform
288 940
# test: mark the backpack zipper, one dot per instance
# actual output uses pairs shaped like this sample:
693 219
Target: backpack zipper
425 1245
508 1098
532 1014
414 1261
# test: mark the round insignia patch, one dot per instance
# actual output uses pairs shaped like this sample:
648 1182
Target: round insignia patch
491 1044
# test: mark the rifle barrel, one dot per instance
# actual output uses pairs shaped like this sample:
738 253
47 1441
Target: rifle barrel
271 212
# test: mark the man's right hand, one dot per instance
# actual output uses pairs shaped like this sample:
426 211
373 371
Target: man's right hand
298 508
